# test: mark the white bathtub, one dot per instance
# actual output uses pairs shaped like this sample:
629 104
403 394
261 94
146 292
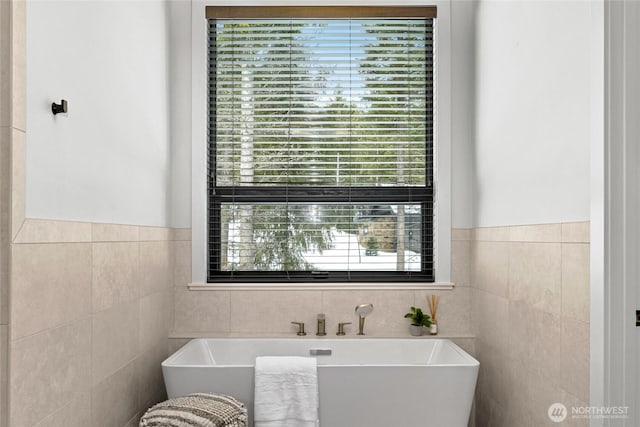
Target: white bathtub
363 383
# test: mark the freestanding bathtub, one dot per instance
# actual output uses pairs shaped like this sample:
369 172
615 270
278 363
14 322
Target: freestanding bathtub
362 382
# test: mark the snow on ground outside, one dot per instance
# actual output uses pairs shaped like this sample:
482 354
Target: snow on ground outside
347 254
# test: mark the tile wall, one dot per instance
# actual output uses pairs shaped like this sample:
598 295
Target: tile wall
90 314
270 312
530 299
12 137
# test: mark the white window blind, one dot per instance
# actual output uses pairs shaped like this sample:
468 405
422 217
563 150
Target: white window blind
320 136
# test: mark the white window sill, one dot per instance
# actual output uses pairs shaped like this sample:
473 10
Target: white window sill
439 286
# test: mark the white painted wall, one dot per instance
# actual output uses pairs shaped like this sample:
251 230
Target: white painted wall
462 111
532 111
180 77
520 149
108 159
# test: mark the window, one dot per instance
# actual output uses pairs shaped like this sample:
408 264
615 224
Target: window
320 144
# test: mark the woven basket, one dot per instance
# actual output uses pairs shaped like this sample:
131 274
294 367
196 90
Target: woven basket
198 409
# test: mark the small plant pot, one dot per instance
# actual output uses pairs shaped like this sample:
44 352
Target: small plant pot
415 330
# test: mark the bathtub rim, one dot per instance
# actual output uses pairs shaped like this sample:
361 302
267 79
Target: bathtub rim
470 360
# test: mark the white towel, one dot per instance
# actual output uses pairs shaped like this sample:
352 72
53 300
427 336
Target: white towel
286 392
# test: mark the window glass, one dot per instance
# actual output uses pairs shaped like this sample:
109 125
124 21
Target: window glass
321 148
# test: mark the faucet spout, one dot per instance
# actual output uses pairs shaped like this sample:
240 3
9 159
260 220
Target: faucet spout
362 311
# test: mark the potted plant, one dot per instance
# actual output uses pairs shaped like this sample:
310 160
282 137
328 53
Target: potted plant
418 321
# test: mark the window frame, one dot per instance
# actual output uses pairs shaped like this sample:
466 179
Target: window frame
441 173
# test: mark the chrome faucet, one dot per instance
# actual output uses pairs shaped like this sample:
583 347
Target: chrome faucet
362 311
321 325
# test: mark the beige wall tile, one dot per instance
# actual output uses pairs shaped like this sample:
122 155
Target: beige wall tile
5 217
182 269
490 320
501 379
151 388
534 275
203 311
454 309
156 266
155 233
154 319
115 400
4 374
4 284
49 370
18 65
576 232
570 401
18 166
76 413
51 285
114 233
501 417
575 358
182 234
387 318
535 233
175 344
535 339
482 409
461 262
273 311
116 337
497 378
461 234
520 314
49 231
490 267
575 281
491 234
135 421
541 392
5 64
496 373
115 274
546 353
171 310
467 344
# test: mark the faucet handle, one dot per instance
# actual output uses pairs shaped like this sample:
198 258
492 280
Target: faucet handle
301 331
341 328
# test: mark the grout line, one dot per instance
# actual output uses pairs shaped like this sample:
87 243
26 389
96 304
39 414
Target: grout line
64 406
51 329
130 361
15 238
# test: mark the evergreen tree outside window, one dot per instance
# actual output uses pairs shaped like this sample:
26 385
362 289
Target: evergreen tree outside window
320 148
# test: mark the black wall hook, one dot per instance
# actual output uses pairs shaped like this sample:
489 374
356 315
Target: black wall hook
59 108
